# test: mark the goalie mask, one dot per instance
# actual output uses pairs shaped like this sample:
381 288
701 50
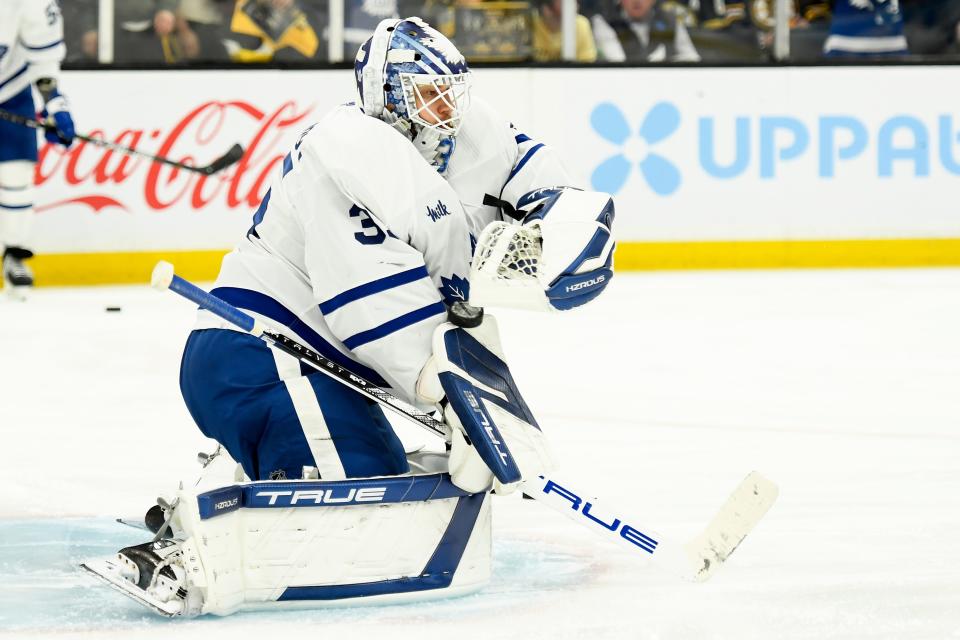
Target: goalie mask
409 71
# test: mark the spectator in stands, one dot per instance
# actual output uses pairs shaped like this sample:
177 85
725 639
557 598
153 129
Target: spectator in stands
724 31
143 31
76 21
808 21
548 38
201 29
866 28
361 18
931 26
645 30
268 30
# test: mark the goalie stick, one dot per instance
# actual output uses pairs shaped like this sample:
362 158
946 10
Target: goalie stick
696 560
230 157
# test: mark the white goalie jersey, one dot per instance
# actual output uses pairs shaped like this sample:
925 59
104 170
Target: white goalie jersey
359 242
31 43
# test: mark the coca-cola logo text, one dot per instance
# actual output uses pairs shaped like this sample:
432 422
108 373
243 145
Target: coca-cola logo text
94 172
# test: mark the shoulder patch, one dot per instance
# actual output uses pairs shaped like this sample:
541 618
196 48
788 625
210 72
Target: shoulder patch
438 211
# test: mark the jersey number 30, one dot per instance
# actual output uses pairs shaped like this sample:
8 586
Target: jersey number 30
371 234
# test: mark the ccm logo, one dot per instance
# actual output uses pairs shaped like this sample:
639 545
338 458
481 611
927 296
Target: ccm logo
626 532
321 496
586 283
226 504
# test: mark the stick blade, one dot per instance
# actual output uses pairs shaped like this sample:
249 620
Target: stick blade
748 503
230 157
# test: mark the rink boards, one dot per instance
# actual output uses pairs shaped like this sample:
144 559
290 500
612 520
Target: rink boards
709 167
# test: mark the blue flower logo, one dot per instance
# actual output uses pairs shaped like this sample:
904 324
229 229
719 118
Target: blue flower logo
660 174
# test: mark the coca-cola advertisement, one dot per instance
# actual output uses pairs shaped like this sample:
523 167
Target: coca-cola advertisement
92 199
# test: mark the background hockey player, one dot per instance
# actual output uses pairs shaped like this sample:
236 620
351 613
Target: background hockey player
361 244
31 49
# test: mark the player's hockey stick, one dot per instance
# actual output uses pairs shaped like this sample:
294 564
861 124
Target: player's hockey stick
230 157
696 560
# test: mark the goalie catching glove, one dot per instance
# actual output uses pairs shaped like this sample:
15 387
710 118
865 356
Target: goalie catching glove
495 437
560 257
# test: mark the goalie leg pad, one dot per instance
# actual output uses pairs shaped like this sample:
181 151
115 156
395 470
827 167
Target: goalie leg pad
301 544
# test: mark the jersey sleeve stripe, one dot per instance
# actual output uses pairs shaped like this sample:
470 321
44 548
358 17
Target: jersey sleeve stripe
268 307
259 213
371 288
524 160
22 70
521 138
407 319
41 47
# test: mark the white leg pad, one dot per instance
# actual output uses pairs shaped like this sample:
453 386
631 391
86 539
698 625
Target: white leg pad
310 543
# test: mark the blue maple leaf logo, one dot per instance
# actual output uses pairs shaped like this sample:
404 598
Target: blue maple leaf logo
660 174
454 288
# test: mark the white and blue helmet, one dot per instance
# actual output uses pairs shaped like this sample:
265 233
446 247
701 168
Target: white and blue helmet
409 70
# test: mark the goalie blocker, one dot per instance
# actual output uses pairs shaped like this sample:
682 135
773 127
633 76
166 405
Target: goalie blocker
495 439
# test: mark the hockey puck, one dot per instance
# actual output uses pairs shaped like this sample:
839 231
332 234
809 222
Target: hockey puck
464 315
113 309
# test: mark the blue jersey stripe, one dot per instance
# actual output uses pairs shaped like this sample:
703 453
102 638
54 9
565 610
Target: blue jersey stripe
15 207
407 319
41 47
521 138
22 70
371 288
267 306
287 164
523 161
258 214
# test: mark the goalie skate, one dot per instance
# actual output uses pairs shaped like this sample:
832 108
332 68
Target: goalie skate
150 573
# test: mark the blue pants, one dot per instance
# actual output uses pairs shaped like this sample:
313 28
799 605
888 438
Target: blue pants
18 142
275 416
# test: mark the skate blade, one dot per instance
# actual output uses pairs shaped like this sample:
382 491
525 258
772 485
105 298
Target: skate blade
135 524
108 570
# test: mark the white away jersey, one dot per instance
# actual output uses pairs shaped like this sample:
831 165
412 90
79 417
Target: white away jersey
359 244
31 43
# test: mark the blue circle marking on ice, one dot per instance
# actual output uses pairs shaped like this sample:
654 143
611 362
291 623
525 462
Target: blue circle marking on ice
43 588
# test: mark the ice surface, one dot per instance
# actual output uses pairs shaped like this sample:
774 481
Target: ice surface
842 386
